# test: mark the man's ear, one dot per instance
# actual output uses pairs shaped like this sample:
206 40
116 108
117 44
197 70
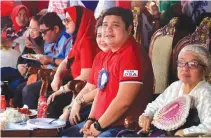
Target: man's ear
56 28
130 29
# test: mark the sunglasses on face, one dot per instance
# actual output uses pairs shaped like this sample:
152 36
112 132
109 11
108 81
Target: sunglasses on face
67 20
190 64
43 32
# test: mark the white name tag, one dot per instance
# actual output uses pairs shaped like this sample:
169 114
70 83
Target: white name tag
130 73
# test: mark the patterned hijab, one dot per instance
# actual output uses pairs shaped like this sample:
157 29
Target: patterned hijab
15 31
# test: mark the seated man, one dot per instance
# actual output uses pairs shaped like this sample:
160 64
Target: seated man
125 80
56 48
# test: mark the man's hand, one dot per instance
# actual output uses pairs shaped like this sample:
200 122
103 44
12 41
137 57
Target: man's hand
46 60
85 129
93 131
75 113
145 122
22 68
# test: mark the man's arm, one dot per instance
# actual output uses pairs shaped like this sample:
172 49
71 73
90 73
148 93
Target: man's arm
125 97
60 73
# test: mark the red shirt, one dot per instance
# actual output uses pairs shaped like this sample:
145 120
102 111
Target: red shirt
96 67
83 58
129 64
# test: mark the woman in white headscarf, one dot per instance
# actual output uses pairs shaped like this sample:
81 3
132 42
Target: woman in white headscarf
194 64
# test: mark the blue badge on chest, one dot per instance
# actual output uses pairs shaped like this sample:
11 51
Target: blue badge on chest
102 79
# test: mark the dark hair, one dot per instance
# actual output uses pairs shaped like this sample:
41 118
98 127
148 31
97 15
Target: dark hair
98 23
200 18
36 18
51 19
125 14
183 27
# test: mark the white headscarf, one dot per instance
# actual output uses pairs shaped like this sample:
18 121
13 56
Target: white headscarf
203 55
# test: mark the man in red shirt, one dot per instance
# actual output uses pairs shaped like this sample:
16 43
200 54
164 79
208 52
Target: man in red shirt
125 81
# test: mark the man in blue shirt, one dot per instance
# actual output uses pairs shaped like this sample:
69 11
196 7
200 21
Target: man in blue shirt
57 46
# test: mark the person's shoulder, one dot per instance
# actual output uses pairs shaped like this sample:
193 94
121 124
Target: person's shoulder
176 84
206 88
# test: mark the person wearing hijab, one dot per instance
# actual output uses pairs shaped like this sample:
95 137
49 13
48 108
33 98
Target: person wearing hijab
194 64
18 32
80 22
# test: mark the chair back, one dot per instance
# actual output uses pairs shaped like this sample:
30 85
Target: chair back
160 54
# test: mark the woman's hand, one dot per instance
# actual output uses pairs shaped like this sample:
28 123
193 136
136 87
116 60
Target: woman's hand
56 83
46 60
29 43
145 122
22 68
179 133
75 113
52 96
65 115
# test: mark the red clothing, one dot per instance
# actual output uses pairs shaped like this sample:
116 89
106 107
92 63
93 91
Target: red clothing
15 13
15 31
129 64
96 67
85 47
7 7
123 4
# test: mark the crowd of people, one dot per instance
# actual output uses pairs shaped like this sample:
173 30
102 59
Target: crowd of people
108 48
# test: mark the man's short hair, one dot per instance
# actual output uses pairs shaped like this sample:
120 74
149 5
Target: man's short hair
51 19
125 14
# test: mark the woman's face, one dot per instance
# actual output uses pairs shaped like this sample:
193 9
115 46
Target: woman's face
22 18
100 40
115 32
34 29
192 73
69 24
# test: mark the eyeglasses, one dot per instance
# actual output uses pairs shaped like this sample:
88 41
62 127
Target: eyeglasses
44 31
190 64
66 20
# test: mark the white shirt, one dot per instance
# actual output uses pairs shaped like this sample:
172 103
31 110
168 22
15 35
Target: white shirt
202 102
102 6
9 58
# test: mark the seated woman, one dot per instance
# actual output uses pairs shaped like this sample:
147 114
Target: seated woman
78 111
17 33
79 22
15 39
34 44
194 64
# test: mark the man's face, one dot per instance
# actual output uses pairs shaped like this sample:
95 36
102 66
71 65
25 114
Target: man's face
114 31
49 34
